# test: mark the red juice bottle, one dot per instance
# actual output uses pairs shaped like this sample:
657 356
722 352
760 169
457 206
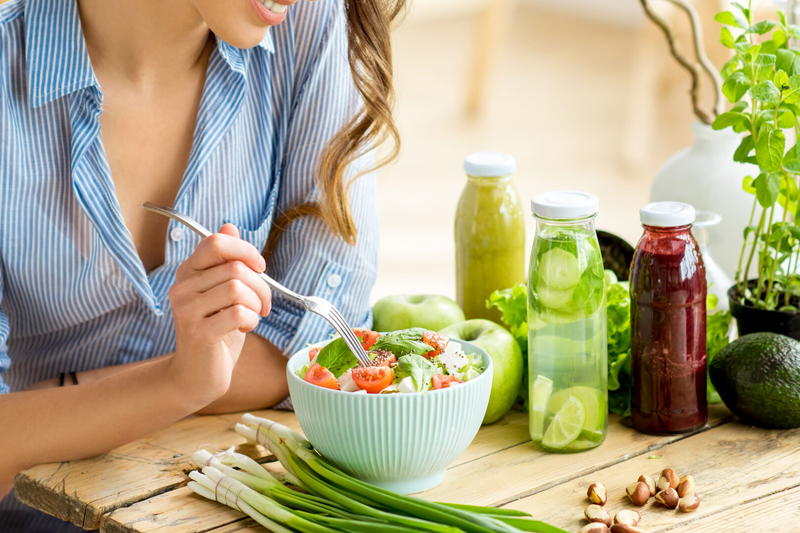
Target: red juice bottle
668 323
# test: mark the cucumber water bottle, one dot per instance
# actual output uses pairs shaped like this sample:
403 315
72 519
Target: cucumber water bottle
567 345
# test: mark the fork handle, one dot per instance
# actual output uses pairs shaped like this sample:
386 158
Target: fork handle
203 232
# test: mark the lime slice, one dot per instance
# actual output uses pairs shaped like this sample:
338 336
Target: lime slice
541 389
582 444
559 269
593 400
567 425
594 436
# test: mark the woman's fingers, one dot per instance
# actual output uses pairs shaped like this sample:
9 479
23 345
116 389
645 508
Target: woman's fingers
230 293
208 279
220 248
234 318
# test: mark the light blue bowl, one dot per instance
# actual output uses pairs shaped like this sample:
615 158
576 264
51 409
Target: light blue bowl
402 442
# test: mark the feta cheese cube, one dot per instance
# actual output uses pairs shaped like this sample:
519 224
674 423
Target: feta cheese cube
346 382
453 358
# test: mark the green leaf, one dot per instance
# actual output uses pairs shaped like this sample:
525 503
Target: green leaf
767 188
792 94
795 231
743 151
780 79
791 161
747 185
726 37
769 150
736 86
762 27
779 39
403 342
337 357
794 31
766 92
420 369
748 230
730 66
744 10
726 17
782 17
788 61
786 118
778 234
765 66
728 119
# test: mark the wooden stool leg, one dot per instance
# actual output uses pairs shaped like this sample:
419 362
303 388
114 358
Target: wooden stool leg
492 23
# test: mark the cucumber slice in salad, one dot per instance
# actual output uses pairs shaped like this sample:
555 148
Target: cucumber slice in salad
559 269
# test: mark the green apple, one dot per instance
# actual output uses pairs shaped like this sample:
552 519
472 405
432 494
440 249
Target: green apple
403 311
506 358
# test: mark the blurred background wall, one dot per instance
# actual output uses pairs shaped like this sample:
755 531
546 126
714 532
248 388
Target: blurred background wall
583 93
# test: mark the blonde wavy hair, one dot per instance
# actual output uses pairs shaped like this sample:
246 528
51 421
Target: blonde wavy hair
369 24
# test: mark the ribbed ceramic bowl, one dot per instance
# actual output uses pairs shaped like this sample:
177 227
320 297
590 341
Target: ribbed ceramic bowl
403 442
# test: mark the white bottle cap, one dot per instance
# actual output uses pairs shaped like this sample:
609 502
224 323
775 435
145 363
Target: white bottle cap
565 204
667 214
489 164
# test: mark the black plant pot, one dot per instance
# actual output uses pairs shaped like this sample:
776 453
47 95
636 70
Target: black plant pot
750 319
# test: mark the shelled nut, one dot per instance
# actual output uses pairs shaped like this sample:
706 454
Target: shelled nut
624 528
668 480
689 503
597 513
628 517
638 493
594 527
650 482
597 493
685 486
668 498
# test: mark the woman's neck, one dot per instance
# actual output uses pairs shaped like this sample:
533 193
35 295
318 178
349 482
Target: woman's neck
146 42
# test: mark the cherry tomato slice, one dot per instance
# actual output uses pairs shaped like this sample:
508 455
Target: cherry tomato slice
443 382
384 358
436 341
321 376
312 353
366 336
373 379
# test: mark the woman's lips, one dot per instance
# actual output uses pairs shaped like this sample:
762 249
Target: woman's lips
266 15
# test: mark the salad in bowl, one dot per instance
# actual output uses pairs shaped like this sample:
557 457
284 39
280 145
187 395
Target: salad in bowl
422 392
406 361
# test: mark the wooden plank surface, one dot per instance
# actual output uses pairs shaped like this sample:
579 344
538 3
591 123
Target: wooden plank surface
83 491
524 469
500 464
732 464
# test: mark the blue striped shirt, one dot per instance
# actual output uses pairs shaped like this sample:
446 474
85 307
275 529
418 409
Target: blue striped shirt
74 294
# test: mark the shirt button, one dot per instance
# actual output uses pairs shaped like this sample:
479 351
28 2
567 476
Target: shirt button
334 280
176 234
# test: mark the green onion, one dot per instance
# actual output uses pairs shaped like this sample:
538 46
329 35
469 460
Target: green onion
314 496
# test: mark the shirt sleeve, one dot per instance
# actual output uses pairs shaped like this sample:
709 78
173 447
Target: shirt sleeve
5 328
308 258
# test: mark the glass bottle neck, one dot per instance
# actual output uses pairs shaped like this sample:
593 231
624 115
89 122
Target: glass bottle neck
483 181
669 231
579 225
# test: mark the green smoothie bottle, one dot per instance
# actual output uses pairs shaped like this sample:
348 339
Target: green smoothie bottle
567 345
490 233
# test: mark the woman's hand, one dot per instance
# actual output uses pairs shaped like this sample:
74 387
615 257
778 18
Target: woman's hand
217 298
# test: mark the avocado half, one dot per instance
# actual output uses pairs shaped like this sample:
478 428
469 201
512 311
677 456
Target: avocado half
758 378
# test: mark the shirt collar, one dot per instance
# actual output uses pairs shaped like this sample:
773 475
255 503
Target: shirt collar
58 62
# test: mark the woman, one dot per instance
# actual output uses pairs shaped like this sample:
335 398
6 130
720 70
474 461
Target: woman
255 118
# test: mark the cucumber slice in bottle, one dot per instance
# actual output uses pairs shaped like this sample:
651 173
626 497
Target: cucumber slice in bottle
559 269
554 298
541 389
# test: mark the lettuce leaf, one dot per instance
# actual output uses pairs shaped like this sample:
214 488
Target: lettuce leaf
718 325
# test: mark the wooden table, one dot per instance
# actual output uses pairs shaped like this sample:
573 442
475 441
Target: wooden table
748 478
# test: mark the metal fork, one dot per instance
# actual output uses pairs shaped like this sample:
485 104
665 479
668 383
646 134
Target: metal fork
314 304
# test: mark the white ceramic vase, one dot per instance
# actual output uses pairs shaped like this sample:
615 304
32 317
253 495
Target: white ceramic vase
706 176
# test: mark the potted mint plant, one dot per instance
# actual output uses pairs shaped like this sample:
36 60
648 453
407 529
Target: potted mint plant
762 81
